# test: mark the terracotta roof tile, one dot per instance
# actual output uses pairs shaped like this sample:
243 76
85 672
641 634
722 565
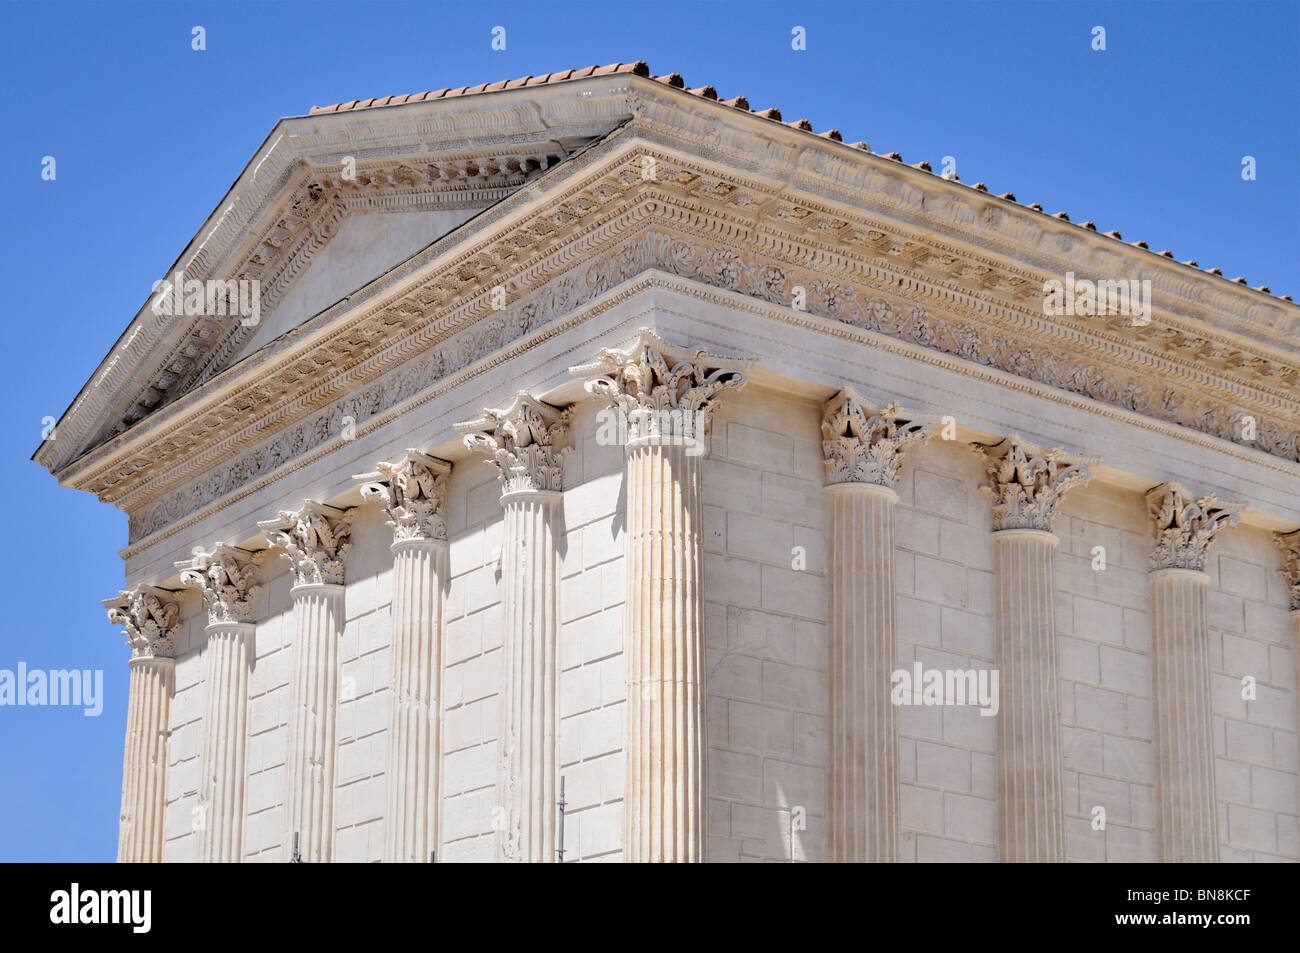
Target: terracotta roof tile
675 81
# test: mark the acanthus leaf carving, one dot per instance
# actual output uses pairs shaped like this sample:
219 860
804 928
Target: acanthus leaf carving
315 538
1027 483
148 617
1184 526
666 394
1289 543
413 492
524 442
226 577
864 444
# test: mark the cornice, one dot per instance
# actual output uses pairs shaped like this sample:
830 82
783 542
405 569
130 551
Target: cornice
258 217
705 229
849 181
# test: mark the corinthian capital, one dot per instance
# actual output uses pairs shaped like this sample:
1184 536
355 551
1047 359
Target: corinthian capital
227 578
1184 527
1026 482
666 394
413 492
524 441
314 538
1289 543
863 444
148 619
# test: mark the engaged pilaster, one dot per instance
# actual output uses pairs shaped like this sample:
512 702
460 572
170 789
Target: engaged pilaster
1026 484
863 448
413 492
1187 826
315 539
524 441
226 578
665 396
148 617
1289 543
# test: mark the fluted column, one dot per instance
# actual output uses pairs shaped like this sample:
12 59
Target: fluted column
149 620
316 540
1026 484
225 577
1289 543
413 493
524 442
665 396
1187 817
863 449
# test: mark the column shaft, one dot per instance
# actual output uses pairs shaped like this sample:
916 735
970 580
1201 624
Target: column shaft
144 772
411 822
225 741
1187 829
1030 806
318 610
529 585
665 791
863 823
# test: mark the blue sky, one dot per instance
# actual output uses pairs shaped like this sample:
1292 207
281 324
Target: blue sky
148 134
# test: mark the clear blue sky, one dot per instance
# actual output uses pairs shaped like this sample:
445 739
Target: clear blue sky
1146 137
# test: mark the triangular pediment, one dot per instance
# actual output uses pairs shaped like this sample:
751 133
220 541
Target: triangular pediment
328 204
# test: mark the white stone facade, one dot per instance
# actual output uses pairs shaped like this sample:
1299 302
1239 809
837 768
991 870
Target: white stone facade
696 620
